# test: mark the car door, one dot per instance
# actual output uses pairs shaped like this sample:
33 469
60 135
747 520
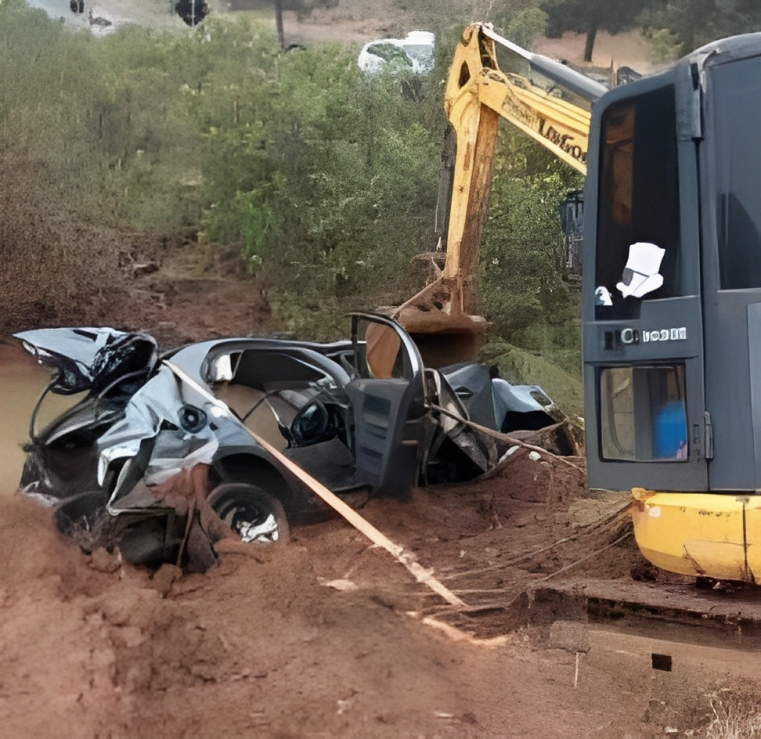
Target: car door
387 398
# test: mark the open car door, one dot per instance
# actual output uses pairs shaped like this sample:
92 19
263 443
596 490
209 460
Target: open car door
387 396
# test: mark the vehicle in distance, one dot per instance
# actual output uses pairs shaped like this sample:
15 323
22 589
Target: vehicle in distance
413 53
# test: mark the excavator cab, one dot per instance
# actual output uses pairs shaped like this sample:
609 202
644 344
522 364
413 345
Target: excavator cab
671 280
672 308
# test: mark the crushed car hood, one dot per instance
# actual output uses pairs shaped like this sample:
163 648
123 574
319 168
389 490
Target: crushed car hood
91 359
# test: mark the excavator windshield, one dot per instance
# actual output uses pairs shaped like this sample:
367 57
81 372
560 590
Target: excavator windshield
638 205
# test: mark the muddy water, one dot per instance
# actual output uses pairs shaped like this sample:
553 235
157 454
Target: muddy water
21 382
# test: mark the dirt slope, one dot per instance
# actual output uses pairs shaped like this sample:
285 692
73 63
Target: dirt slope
328 637
261 647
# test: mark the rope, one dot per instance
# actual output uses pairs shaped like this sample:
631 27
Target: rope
507 563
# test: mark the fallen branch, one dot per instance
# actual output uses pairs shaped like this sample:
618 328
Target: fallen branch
508 439
584 559
365 527
496 606
513 453
467 610
480 591
418 296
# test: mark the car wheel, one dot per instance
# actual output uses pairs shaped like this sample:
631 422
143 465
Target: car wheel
252 513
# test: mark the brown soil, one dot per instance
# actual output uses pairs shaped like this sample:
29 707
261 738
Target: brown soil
329 637
614 51
325 637
181 291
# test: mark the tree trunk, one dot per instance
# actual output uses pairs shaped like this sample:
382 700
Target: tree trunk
590 44
279 23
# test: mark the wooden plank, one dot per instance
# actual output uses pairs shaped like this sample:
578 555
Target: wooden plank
361 524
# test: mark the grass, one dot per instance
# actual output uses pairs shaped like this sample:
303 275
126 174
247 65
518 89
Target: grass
735 715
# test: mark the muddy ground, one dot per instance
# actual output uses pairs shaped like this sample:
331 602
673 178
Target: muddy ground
329 637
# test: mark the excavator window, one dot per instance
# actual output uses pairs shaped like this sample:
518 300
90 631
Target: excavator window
643 414
737 112
639 195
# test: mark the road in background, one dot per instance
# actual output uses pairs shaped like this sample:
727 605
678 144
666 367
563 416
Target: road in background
156 14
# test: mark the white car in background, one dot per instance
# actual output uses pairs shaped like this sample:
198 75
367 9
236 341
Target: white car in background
414 53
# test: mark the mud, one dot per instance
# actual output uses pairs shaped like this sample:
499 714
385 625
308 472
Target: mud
330 637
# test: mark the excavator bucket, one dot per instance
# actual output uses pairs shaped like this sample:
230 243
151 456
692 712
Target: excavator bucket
442 338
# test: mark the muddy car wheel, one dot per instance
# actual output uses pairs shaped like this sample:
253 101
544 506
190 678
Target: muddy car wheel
252 513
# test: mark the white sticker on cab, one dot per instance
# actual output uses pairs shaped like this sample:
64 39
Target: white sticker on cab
665 334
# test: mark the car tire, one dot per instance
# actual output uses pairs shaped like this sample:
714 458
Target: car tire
252 513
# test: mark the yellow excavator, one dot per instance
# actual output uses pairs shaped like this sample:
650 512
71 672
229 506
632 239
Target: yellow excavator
672 308
491 79
671 291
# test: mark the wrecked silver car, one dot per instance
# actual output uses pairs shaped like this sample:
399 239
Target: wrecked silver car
155 455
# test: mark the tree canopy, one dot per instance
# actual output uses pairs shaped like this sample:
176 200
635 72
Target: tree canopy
680 26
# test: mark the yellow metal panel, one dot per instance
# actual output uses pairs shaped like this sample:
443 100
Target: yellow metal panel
561 127
699 534
753 532
477 95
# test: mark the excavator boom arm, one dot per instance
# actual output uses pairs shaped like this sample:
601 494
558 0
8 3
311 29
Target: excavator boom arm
492 78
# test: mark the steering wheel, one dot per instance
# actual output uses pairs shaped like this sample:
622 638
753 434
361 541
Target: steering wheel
310 423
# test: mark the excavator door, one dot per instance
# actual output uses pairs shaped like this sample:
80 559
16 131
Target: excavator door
646 418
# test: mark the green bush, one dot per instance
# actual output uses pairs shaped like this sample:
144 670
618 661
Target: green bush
333 167
325 178
523 290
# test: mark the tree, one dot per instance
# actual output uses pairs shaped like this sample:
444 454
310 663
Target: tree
591 16
279 23
689 24
302 8
192 11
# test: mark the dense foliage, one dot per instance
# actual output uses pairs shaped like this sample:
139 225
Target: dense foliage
326 179
677 27
524 289
318 171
